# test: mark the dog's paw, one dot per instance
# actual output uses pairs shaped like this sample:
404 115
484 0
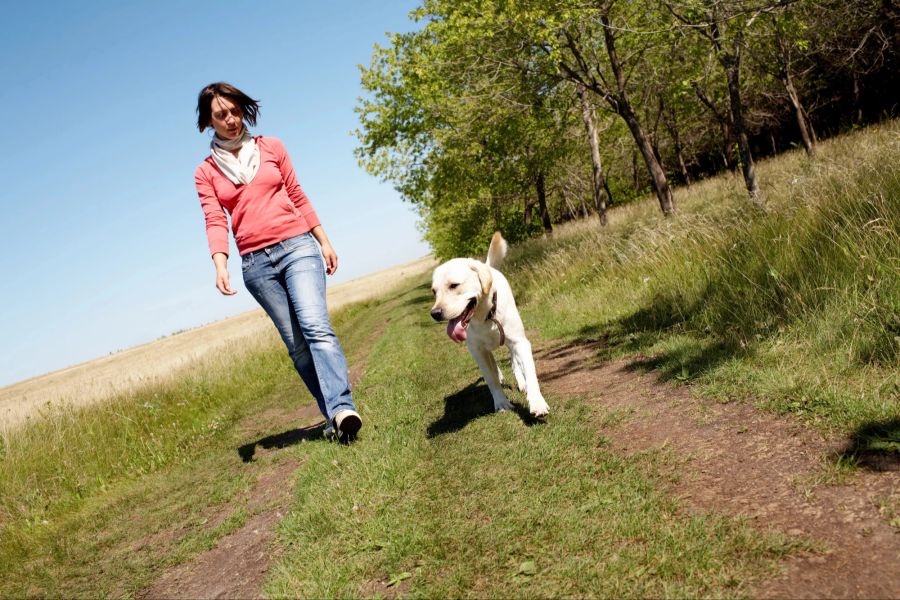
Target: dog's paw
538 407
502 405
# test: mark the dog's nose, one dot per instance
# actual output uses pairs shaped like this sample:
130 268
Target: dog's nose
437 314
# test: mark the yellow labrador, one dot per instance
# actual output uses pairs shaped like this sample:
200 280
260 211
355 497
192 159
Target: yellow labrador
476 300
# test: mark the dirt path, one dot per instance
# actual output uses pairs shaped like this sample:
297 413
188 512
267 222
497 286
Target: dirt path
738 460
729 458
237 566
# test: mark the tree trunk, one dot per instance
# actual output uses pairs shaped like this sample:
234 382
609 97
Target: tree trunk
725 126
858 118
528 204
799 114
495 211
542 204
622 106
787 79
672 126
597 180
657 173
685 176
732 64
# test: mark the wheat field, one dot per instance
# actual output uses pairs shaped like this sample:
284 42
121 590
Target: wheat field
165 358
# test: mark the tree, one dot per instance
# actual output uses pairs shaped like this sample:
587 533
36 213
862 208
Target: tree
788 37
448 125
598 181
571 34
724 24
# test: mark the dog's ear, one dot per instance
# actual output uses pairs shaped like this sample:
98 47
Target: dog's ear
484 275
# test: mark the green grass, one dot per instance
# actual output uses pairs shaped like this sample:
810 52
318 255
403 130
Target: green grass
463 502
797 309
95 501
78 488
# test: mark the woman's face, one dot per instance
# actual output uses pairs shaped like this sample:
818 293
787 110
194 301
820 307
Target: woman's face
227 118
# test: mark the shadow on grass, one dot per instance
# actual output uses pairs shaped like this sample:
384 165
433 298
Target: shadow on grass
687 361
282 440
569 358
690 355
874 446
470 403
423 300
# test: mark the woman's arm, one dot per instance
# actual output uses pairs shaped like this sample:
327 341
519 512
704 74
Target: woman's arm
216 221
223 283
298 197
328 253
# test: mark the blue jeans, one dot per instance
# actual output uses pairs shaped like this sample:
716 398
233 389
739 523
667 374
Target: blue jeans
288 281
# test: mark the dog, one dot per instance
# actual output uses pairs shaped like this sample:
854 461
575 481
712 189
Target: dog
477 301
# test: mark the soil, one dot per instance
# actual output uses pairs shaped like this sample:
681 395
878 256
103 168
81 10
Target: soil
728 458
237 566
772 470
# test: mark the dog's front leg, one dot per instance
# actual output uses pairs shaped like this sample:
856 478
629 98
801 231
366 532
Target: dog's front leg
521 353
490 372
518 371
492 364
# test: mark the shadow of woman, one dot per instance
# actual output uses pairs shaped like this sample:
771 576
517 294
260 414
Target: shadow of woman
282 440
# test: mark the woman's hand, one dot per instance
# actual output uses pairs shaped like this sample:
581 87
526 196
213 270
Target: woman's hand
331 259
223 280
328 253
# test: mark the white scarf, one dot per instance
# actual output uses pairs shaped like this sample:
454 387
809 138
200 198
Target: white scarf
240 169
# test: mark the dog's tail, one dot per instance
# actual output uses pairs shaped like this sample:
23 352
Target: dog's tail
497 251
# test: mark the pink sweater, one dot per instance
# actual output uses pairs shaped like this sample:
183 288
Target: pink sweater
269 209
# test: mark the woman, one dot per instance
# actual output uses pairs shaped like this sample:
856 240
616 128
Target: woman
276 229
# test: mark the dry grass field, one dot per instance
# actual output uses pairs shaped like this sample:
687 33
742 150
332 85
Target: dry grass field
164 358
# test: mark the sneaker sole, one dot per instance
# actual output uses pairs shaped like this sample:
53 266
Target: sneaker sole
350 426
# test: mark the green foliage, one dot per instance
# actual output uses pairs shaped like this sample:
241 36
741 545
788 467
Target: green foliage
480 101
465 227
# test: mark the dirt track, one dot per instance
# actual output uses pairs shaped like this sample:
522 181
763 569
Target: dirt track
165 358
727 458
738 460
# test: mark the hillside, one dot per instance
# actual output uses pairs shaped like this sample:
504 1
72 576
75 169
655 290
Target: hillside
724 422
164 359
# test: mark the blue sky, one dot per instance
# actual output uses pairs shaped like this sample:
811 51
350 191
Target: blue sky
103 238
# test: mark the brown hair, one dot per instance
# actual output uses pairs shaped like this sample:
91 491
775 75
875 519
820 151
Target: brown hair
249 106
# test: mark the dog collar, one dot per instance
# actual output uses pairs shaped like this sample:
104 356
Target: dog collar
490 317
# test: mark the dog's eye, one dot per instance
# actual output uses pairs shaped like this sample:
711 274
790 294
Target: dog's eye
433 292
453 286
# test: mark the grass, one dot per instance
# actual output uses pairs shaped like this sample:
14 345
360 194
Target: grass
446 499
795 309
95 500
440 496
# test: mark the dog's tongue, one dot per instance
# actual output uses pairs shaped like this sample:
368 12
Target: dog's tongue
455 330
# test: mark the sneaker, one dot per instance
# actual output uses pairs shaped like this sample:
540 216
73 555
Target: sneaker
347 424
